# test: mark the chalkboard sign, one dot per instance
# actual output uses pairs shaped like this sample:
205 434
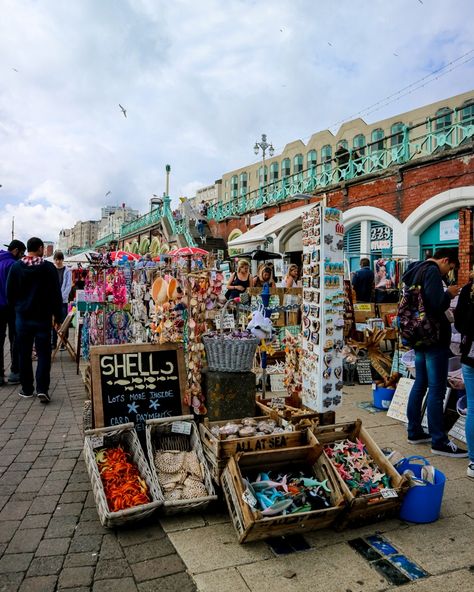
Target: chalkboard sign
136 382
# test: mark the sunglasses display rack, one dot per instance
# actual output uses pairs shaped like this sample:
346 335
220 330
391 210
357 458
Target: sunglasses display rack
323 308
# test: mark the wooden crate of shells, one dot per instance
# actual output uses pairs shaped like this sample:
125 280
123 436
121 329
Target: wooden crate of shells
219 446
250 524
186 480
300 417
365 507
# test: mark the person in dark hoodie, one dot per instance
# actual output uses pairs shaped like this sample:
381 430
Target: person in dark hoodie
33 289
431 363
464 323
15 250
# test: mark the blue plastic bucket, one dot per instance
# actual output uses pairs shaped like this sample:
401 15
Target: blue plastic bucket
383 397
422 503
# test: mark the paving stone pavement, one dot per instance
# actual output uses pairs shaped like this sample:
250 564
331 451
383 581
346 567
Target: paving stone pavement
50 535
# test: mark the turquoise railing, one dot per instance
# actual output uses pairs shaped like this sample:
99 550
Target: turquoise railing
397 149
154 217
105 240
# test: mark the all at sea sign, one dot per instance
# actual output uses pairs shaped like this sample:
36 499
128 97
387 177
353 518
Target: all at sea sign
136 382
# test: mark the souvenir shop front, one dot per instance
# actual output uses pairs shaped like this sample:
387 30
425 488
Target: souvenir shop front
173 369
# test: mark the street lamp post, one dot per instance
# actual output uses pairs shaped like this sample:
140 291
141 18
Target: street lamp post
263 145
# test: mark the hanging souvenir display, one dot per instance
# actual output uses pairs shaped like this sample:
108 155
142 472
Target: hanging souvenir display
323 307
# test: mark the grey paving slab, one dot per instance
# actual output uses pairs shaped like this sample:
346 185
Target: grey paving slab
147 570
45 566
76 576
39 584
117 585
12 562
44 504
50 547
25 541
112 568
10 582
8 529
180 582
15 510
80 559
35 521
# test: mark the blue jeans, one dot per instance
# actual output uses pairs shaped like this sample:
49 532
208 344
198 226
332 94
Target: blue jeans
431 367
30 332
468 377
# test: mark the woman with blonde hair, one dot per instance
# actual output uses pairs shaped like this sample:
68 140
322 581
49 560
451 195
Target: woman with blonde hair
291 277
264 276
239 281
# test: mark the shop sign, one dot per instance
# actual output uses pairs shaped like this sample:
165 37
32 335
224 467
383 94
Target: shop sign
449 230
257 219
380 238
136 382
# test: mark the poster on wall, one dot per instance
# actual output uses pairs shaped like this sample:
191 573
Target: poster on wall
384 274
323 308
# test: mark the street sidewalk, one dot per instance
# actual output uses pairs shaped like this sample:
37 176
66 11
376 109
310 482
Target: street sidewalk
50 535
51 538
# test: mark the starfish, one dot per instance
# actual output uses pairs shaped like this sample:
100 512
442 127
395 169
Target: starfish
367 474
343 473
377 476
360 445
154 404
340 446
132 407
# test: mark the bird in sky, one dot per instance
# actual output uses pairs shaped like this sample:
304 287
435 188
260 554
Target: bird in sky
281 30
420 1
124 111
396 55
330 44
14 69
108 193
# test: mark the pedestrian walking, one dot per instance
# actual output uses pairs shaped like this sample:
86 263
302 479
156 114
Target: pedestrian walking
464 323
15 250
431 361
363 281
65 283
33 290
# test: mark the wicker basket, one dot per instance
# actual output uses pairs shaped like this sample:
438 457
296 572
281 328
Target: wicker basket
126 435
159 435
229 355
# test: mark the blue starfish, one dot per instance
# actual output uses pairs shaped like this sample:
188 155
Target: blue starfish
132 407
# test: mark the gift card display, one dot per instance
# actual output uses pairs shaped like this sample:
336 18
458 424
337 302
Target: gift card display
323 308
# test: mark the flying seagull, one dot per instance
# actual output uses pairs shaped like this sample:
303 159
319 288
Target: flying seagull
124 111
330 44
15 69
108 193
396 55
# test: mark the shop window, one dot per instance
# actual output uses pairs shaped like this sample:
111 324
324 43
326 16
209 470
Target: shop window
286 167
274 172
298 163
358 144
326 157
352 246
377 140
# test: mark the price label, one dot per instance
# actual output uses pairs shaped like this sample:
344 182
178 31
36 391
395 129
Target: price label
181 427
249 498
97 441
386 493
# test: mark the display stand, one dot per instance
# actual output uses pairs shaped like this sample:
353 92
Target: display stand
63 340
323 308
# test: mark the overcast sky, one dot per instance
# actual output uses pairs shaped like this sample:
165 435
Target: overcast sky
201 80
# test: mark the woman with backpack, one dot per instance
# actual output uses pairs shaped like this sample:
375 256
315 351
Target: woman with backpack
464 323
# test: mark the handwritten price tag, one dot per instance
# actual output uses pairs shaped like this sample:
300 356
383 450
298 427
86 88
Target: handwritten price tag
386 493
97 441
181 427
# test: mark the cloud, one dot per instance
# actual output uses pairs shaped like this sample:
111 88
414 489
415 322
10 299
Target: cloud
201 81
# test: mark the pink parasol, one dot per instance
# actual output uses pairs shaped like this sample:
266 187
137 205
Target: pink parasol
187 252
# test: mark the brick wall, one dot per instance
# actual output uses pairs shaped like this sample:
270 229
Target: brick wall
466 249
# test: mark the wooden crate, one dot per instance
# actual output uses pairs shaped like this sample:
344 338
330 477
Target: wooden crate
368 507
301 417
251 525
218 452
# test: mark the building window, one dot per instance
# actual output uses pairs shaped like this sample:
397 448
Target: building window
377 140
298 163
358 144
234 186
467 113
243 183
274 172
343 144
326 153
396 131
286 167
311 159
262 178
443 118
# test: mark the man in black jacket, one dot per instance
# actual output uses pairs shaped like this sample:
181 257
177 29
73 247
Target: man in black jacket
431 363
363 281
33 289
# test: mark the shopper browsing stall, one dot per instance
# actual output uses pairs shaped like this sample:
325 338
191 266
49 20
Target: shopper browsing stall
464 323
264 276
239 281
291 278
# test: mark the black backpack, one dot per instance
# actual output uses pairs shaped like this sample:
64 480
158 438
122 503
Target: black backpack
417 329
